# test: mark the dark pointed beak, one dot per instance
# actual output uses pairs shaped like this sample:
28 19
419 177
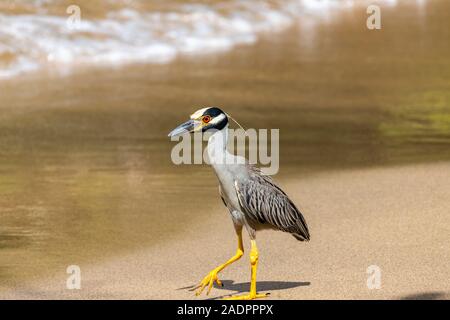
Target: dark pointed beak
187 127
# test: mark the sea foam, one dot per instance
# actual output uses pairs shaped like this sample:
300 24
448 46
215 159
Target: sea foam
125 34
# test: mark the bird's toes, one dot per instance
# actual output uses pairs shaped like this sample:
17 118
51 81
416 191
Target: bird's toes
201 286
208 281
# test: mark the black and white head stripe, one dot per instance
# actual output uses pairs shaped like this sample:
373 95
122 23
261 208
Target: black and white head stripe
218 118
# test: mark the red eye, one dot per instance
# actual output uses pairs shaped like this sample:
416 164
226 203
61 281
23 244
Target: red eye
206 119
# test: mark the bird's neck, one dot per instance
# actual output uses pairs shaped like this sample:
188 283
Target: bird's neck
217 146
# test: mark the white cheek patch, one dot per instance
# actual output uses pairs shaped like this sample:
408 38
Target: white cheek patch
217 119
197 114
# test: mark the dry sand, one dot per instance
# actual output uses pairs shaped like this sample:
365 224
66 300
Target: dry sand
396 218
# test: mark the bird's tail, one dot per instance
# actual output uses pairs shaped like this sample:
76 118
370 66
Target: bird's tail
301 237
302 233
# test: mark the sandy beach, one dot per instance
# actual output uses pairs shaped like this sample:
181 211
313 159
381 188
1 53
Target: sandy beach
395 218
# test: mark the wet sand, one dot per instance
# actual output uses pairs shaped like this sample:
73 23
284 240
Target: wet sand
86 172
396 219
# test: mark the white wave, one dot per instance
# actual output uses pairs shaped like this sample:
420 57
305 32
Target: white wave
41 40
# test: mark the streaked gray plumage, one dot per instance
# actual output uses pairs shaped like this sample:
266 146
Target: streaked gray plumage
265 205
263 202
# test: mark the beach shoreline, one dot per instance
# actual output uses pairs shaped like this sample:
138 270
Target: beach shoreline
87 179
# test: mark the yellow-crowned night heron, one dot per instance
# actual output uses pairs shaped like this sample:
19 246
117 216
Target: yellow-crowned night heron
253 199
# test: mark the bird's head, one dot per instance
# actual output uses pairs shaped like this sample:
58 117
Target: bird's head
202 120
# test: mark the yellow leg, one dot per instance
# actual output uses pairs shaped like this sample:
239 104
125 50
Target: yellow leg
212 276
254 264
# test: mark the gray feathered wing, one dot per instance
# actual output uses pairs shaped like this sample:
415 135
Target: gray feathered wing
264 202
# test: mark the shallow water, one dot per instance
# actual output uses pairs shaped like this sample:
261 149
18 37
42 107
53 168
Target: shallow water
85 162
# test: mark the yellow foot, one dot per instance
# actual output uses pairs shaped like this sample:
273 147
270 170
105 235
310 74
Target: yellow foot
248 296
208 281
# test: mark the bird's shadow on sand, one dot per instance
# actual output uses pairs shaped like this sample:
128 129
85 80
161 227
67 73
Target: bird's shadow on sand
244 287
435 295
